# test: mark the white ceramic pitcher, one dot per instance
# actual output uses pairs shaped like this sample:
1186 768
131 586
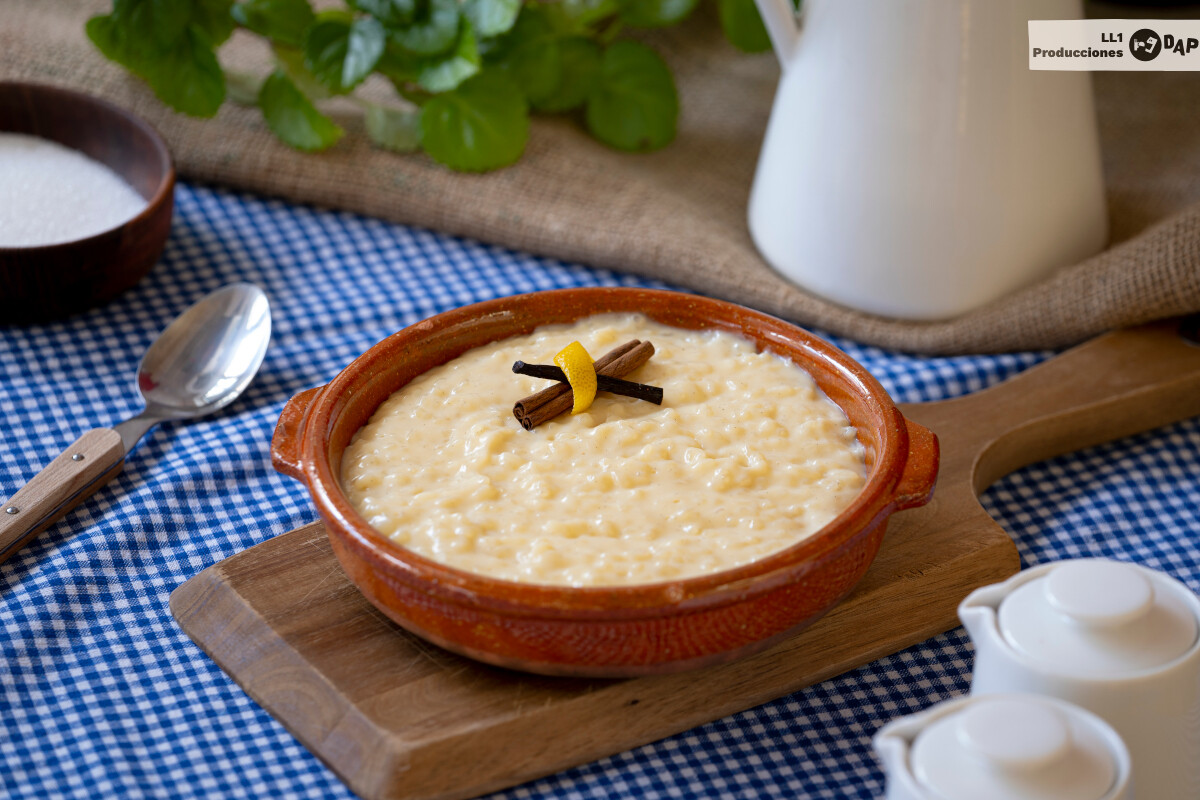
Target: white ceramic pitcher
1004 746
1117 639
914 166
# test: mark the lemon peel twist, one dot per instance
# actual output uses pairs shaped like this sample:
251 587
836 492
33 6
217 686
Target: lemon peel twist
577 365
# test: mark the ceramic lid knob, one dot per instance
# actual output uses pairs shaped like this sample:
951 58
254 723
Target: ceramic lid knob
1018 734
999 747
1100 594
1094 618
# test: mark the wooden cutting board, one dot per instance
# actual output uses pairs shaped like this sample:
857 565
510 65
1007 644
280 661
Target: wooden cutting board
396 717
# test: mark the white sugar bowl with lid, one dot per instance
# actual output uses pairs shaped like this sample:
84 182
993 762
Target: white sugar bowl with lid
1004 747
1118 639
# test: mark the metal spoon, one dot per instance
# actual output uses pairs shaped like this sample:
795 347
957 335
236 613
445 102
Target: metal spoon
200 363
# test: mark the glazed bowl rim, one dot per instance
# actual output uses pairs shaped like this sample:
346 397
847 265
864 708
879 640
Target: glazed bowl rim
161 153
679 596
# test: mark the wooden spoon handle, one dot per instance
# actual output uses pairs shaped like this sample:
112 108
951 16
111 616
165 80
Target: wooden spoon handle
1116 385
72 477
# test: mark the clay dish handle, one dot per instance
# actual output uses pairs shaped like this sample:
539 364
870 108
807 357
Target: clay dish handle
915 487
289 434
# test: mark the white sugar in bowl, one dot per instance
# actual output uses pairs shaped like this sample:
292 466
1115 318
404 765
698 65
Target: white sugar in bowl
1004 747
1117 639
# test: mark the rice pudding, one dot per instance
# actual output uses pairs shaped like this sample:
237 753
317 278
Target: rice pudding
745 458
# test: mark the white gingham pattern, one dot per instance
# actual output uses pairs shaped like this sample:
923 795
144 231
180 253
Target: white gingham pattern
101 694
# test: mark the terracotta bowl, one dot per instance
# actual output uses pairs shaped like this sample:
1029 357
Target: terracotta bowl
603 631
52 281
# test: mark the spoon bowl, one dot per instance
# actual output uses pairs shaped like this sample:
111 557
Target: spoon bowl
209 354
204 360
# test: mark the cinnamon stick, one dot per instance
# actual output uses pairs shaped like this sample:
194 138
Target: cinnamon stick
604 383
526 405
533 410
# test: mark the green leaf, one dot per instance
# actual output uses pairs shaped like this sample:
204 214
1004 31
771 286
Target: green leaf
743 26
283 21
326 43
139 33
578 70
655 13
185 76
155 23
481 125
340 53
575 16
555 72
434 32
154 26
109 38
491 17
634 105
394 129
214 19
444 73
291 61
391 13
367 40
189 79
529 56
399 66
293 118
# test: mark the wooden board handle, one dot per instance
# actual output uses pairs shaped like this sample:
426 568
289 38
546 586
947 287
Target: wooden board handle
1116 385
72 477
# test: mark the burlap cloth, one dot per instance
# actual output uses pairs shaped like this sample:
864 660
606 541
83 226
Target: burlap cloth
680 214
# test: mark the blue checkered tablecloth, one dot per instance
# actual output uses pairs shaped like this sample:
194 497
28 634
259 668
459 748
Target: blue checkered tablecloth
102 695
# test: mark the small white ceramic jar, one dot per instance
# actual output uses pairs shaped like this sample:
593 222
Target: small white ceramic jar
1117 639
1002 747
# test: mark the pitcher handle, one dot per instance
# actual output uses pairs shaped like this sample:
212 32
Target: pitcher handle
783 27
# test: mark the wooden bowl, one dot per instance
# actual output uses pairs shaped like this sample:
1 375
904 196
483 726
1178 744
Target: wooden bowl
55 280
603 631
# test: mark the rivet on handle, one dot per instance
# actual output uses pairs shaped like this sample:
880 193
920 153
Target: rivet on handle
77 457
11 510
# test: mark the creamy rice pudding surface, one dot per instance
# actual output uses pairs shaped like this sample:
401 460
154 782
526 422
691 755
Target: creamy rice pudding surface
744 458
